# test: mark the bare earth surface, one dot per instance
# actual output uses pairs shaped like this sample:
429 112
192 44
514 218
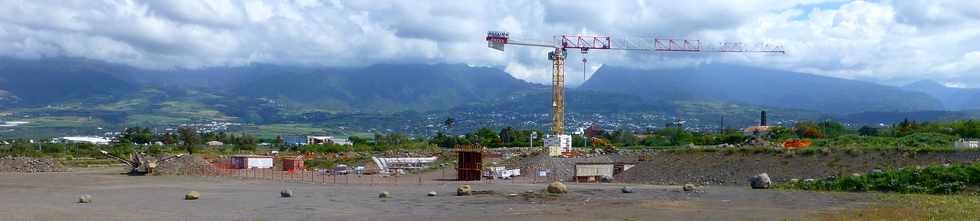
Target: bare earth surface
53 196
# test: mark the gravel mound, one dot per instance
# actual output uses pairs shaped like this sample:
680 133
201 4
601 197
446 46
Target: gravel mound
719 168
182 165
30 165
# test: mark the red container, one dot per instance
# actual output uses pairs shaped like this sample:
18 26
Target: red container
292 164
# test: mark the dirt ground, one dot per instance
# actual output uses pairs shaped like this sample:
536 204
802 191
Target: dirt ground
52 196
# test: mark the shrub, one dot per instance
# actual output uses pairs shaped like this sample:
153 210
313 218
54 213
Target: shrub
932 180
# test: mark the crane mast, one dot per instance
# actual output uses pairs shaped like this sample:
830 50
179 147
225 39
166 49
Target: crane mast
558 142
558 91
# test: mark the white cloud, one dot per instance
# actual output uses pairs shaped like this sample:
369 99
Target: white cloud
888 41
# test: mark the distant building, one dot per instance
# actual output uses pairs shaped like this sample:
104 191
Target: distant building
215 143
341 141
91 140
314 140
294 140
964 143
594 131
761 130
558 144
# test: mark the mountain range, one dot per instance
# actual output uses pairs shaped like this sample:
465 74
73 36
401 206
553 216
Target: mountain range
764 87
263 93
954 99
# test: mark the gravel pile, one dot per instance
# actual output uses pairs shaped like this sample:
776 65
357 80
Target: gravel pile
182 165
718 168
30 165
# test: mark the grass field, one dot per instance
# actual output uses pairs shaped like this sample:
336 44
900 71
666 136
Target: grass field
270 131
915 207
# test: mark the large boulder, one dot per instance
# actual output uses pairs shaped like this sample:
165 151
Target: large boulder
557 187
192 195
85 198
760 181
286 193
464 190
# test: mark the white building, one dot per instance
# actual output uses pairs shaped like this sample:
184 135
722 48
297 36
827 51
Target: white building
963 143
82 139
215 143
313 140
558 144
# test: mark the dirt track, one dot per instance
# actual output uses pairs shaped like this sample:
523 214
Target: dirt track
116 197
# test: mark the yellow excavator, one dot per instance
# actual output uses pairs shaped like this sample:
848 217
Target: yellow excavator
599 144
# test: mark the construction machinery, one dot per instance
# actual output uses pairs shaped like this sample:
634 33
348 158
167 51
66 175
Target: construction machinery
599 144
558 141
139 164
796 144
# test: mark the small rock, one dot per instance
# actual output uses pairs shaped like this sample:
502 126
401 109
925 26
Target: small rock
286 193
433 193
855 174
85 198
794 180
192 195
876 171
606 179
760 181
809 180
384 194
557 187
512 195
689 187
464 190
627 189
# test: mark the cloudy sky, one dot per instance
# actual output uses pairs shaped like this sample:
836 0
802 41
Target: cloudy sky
890 42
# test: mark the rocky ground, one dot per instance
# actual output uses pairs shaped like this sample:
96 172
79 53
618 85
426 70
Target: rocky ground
113 196
736 168
30 165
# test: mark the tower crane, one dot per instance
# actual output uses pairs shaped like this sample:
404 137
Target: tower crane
558 142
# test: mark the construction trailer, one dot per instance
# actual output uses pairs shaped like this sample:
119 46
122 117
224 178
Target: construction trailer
470 164
251 161
595 172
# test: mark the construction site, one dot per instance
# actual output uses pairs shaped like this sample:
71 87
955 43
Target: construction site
556 181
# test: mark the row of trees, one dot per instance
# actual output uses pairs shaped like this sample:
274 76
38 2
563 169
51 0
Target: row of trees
901 134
